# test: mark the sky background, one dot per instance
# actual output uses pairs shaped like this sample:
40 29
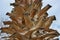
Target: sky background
55 10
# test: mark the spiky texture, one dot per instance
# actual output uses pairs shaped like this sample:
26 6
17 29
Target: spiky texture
30 21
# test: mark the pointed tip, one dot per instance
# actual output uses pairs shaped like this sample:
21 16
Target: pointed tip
54 17
4 22
46 13
49 5
13 4
7 13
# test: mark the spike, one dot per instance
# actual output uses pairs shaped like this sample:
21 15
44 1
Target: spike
8 30
7 22
48 22
14 4
35 9
10 14
43 11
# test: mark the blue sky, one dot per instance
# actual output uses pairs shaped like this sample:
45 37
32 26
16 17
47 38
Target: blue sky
55 10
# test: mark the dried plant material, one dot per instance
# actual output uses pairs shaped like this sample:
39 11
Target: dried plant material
44 10
29 21
8 30
49 22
